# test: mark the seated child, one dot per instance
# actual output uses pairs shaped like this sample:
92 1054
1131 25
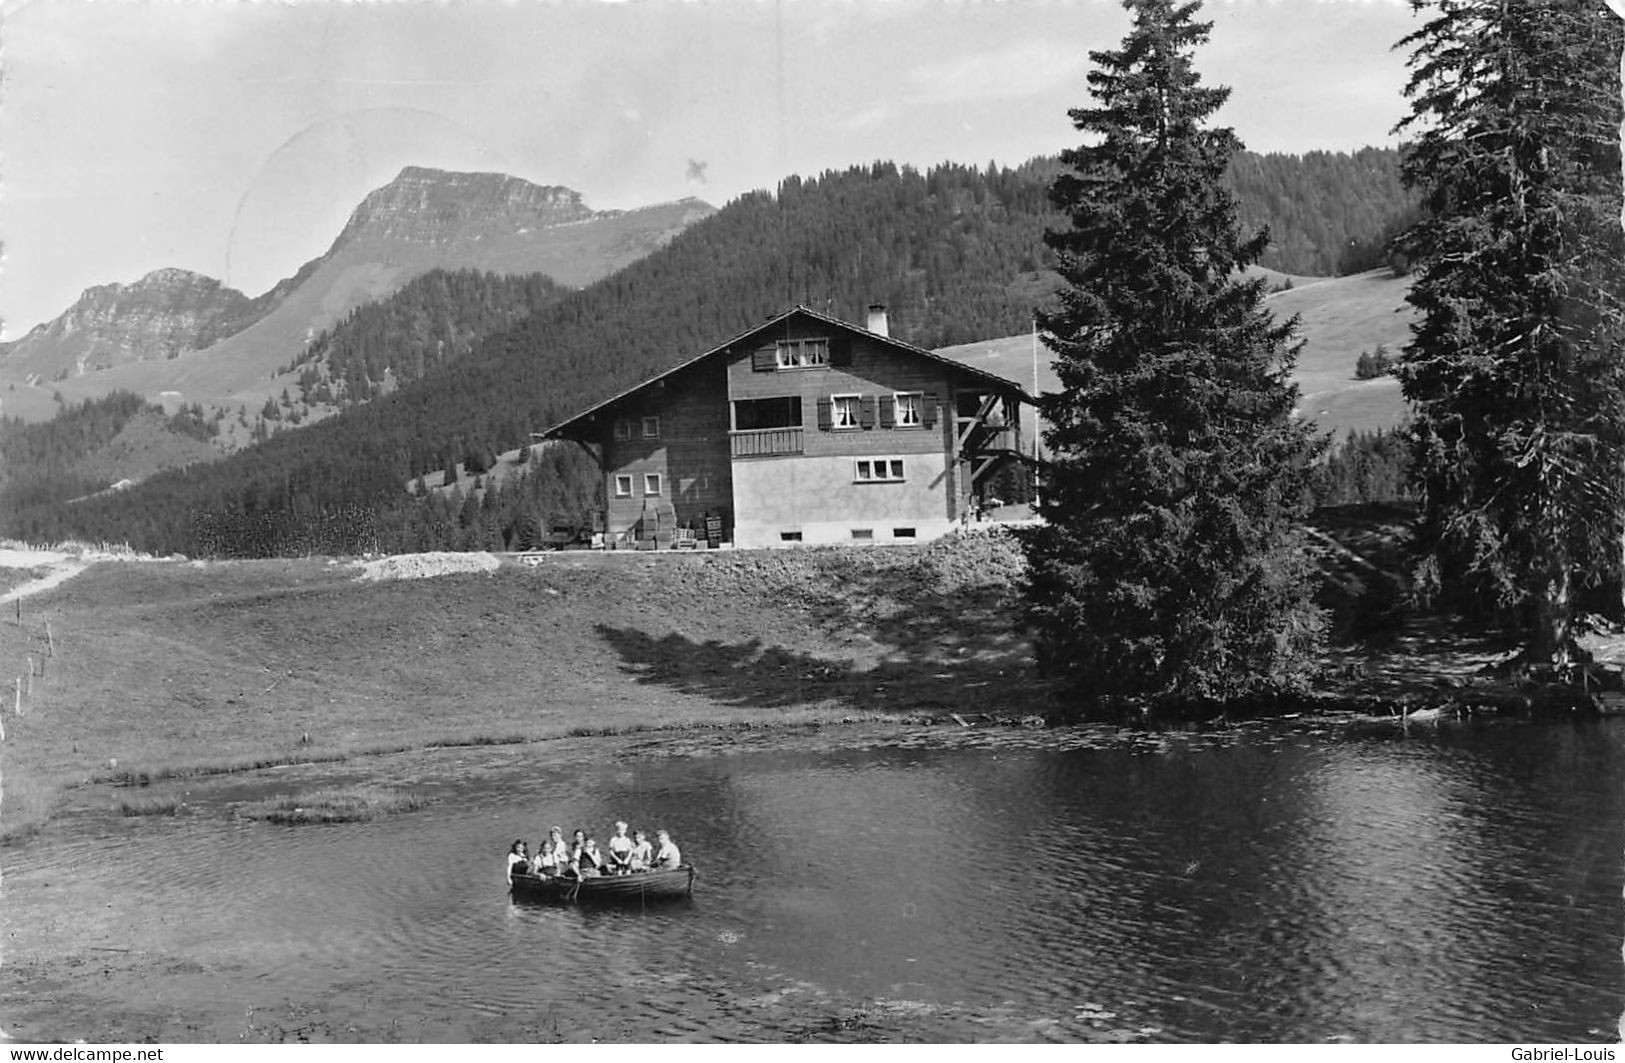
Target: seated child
620 851
590 863
643 854
517 857
667 856
550 854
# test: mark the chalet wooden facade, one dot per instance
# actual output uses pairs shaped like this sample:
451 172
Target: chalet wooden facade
806 429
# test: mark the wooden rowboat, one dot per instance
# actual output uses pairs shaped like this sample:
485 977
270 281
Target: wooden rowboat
636 888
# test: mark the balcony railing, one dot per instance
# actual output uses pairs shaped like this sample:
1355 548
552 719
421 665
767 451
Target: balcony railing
763 442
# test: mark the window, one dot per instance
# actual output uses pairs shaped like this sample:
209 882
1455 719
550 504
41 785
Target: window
651 428
623 429
751 414
907 407
863 534
790 537
844 411
879 470
902 533
651 484
802 354
623 487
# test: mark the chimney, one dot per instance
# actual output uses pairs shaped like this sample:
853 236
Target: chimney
877 319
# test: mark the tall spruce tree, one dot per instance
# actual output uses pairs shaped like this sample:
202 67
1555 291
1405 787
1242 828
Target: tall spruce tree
1515 365
1172 566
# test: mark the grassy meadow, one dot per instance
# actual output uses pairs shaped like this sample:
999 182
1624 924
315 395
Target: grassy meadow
169 669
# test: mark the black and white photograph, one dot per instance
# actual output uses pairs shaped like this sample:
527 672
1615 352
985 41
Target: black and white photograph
892 522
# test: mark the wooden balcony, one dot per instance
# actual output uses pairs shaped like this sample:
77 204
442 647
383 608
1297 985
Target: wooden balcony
766 442
980 439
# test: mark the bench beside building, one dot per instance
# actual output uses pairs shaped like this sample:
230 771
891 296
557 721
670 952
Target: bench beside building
805 429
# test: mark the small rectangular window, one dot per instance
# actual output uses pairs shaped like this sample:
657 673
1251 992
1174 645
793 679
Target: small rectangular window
623 429
790 537
902 533
908 409
651 484
623 487
651 428
878 470
863 533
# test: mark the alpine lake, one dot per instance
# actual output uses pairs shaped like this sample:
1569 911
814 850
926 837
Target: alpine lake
1329 880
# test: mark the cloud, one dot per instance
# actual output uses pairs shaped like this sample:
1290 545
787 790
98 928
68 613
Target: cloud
1020 70
1026 68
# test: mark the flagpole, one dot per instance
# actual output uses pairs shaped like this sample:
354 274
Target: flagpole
1037 487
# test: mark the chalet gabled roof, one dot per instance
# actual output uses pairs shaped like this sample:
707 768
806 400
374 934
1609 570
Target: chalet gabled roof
1002 383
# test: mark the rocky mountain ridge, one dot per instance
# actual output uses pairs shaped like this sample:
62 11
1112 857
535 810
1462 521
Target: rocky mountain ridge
163 314
435 206
180 332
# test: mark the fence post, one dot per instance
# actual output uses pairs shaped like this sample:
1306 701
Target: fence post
50 643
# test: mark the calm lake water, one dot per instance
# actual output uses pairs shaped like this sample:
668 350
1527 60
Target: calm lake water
1271 883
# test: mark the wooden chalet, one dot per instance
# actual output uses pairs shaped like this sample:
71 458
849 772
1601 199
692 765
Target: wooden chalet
805 429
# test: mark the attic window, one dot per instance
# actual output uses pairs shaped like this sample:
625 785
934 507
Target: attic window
651 428
802 354
623 429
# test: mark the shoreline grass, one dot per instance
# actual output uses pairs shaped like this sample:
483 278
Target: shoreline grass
348 804
149 806
147 775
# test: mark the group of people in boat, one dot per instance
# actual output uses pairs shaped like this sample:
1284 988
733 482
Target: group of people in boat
581 856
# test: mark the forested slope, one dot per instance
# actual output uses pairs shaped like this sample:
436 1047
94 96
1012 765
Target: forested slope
1329 213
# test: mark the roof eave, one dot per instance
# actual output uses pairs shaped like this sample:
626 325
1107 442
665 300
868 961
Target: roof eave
557 431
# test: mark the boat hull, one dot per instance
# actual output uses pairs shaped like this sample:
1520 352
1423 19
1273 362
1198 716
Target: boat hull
637 888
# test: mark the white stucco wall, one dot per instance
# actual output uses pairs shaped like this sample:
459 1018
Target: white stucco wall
817 496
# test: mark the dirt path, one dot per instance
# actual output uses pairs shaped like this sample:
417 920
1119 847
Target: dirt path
62 569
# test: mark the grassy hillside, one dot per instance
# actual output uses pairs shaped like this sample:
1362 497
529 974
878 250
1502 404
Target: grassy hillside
1341 317
170 668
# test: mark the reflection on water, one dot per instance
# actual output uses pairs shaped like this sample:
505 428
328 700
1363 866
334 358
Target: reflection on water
1459 884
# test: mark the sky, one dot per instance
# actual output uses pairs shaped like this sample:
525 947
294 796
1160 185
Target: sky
235 138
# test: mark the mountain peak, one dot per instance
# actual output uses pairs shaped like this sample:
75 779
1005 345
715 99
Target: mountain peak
168 282
425 205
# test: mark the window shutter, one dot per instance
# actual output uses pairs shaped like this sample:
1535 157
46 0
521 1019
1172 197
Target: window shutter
888 416
823 414
928 409
866 411
840 349
764 359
